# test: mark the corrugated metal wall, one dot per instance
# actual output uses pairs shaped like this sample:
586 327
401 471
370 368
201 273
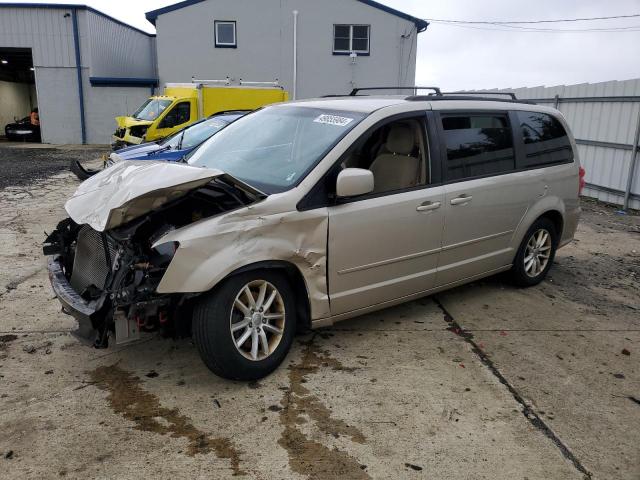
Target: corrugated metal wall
119 51
47 31
50 36
596 122
107 49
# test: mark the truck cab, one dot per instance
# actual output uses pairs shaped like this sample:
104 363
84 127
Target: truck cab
157 118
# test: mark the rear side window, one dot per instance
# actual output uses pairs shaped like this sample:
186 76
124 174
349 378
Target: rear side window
545 140
477 145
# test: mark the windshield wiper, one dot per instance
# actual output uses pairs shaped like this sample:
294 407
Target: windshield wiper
160 150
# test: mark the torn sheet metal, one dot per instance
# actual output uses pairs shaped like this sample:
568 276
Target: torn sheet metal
130 189
213 248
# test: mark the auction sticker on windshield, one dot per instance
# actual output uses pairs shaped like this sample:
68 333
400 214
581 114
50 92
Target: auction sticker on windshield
333 120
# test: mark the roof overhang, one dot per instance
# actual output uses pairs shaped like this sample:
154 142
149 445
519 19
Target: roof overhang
71 6
420 24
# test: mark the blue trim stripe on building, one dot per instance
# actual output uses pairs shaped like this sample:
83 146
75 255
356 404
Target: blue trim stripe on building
67 6
76 43
123 82
420 23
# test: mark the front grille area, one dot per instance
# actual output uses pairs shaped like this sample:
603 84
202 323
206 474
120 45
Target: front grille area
138 131
92 262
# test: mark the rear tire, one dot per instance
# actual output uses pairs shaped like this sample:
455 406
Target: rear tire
227 325
535 254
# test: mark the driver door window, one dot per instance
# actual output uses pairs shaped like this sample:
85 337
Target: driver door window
397 155
178 115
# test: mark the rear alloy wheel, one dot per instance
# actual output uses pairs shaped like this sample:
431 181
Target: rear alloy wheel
245 327
536 253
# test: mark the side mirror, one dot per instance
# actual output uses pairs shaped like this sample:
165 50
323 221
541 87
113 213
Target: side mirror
354 181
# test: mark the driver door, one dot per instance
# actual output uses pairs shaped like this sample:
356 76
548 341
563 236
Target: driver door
178 117
385 245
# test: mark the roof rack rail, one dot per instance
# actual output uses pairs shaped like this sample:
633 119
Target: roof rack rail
355 91
478 92
433 98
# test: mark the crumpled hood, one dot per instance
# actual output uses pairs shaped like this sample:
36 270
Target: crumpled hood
129 189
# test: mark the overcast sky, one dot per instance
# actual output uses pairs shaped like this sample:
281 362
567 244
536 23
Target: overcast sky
456 58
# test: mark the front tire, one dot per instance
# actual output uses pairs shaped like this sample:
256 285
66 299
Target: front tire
535 254
244 329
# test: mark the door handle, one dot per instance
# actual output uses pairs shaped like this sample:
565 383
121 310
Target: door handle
461 200
427 206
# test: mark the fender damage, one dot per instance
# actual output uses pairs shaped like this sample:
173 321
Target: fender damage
104 267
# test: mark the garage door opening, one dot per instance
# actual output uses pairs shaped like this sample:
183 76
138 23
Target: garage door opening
19 119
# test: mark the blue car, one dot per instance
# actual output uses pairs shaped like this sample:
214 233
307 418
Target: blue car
172 148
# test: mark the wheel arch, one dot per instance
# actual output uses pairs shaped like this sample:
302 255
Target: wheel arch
296 279
557 219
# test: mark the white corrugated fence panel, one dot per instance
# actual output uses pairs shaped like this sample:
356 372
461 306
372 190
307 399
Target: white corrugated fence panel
609 121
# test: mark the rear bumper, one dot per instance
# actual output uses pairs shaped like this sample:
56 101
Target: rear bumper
86 313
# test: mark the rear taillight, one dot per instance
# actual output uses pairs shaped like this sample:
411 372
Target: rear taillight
581 181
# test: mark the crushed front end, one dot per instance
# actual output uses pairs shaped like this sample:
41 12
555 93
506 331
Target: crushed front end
108 279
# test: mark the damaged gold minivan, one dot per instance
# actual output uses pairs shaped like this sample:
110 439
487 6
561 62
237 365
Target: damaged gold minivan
310 212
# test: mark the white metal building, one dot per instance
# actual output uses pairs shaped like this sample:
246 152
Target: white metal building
79 66
311 47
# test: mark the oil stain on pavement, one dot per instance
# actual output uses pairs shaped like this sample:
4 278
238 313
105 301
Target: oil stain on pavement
309 457
129 399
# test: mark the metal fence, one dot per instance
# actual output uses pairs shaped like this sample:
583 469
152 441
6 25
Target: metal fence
605 119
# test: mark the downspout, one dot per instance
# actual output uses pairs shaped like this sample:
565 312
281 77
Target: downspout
76 41
295 54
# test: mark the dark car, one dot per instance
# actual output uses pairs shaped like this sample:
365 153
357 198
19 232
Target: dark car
22 131
172 148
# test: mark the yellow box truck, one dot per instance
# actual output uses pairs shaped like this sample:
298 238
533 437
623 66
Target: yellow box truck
185 103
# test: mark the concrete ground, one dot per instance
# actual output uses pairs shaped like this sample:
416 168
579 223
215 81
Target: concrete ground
483 382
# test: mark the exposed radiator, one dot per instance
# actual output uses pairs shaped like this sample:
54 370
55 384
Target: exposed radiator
91 265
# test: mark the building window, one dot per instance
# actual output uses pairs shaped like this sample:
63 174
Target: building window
351 38
225 33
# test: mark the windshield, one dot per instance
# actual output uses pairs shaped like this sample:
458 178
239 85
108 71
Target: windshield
274 148
195 134
151 109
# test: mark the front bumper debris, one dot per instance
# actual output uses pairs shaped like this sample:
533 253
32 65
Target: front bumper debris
73 304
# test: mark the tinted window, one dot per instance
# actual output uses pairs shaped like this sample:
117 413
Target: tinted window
477 145
545 140
177 116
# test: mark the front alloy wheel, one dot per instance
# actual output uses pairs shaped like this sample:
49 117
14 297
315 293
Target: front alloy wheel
257 322
244 328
